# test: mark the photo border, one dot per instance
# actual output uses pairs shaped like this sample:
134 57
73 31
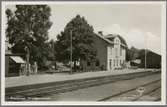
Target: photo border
163 54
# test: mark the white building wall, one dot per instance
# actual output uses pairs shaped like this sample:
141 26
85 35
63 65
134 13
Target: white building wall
115 59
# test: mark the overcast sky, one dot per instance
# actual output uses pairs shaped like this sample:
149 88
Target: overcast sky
136 23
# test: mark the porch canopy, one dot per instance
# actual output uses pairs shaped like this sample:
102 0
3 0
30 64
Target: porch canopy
17 59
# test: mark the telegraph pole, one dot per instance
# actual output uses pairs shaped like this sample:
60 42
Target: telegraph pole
71 49
27 58
145 59
146 54
53 48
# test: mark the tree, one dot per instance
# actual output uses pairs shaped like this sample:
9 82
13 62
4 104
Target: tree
128 54
82 43
28 28
132 54
51 50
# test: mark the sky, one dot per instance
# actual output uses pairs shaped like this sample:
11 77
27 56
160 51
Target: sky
139 24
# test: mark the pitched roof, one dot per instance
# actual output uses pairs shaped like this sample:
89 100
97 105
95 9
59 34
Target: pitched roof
105 39
112 36
17 59
110 39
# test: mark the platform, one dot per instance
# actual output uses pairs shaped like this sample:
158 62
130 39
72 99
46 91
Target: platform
57 77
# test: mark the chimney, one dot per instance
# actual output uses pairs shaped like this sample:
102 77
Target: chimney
100 33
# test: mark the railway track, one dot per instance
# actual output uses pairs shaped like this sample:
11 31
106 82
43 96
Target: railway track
136 97
53 88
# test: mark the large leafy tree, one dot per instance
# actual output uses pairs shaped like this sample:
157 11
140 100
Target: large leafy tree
132 53
28 28
80 33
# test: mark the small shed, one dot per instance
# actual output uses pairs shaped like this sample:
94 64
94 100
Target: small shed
14 65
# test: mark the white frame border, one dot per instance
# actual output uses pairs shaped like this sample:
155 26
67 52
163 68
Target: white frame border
163 53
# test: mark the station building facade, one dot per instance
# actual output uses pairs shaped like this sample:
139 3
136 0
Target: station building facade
111 52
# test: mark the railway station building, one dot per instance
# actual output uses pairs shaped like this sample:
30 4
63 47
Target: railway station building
111 53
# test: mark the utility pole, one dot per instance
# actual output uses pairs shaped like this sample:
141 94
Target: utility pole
145 59
53 49
27 58
71 50
146 54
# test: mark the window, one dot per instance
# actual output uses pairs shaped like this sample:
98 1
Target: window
110 63
97 63
116 52
88 63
